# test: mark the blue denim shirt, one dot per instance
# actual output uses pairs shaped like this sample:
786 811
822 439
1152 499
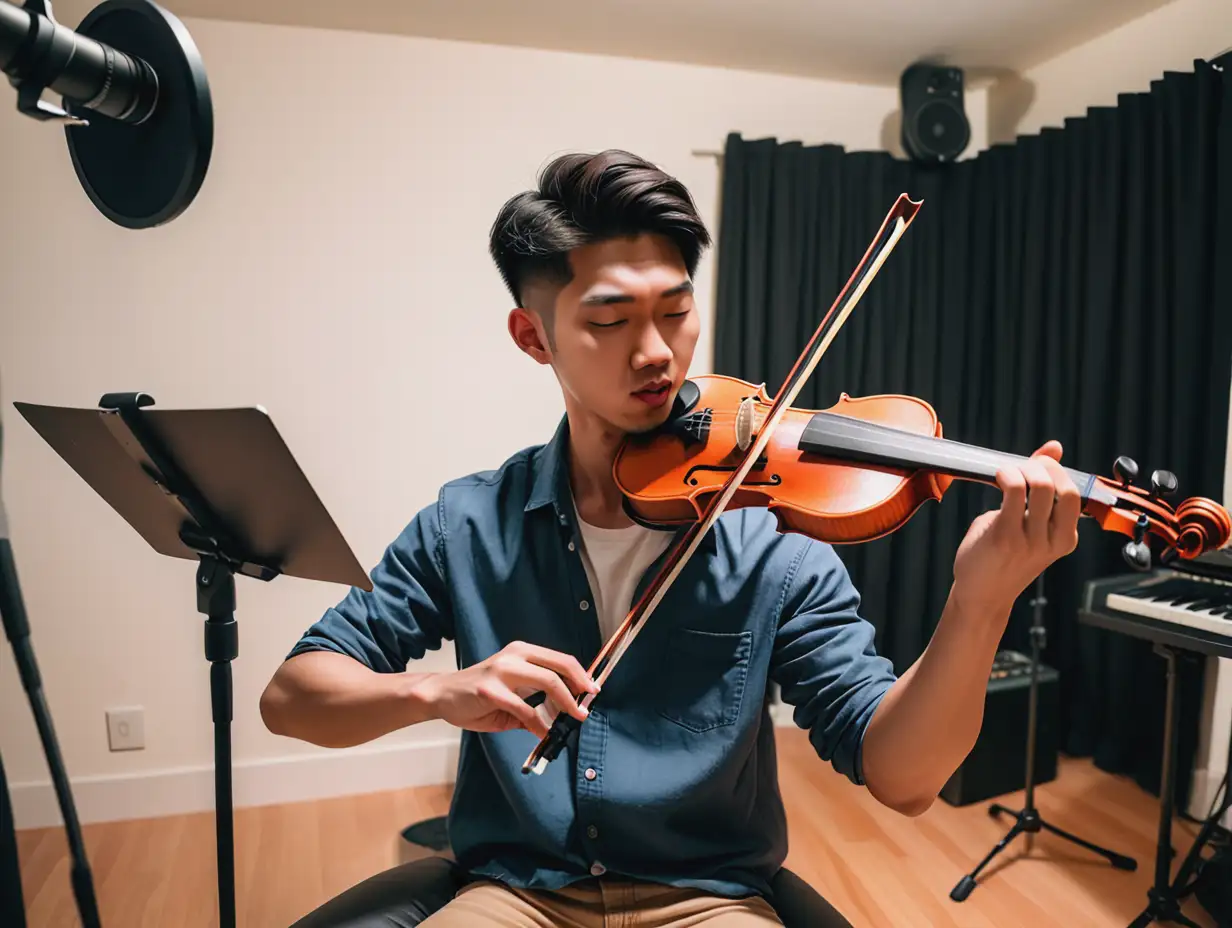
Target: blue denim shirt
673 777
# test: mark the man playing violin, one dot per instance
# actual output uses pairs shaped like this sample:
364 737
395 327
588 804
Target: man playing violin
666 806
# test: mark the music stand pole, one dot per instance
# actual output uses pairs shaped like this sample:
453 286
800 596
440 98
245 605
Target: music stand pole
1028 821
218 486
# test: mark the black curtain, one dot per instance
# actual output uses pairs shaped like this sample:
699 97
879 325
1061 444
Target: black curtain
1071 285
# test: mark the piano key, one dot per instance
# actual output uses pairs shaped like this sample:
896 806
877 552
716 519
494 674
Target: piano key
1195 602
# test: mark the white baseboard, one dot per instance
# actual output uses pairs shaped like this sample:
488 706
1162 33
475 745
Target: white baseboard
290 779
191 789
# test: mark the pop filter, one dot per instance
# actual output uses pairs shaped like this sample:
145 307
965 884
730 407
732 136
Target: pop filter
139 121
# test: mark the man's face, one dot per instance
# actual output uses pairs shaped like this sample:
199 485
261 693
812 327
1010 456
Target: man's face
621 334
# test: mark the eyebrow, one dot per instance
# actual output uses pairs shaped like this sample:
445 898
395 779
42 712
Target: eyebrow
608 299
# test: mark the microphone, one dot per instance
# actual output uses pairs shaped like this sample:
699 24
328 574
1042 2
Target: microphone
136 111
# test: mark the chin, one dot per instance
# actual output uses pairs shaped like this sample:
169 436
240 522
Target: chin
647 419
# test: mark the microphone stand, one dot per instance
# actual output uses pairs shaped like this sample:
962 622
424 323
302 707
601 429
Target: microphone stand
17 630
1028 821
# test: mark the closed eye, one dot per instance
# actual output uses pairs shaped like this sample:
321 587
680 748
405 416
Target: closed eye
609 325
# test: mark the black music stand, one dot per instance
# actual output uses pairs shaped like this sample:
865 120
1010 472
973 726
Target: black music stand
218 486
1028 820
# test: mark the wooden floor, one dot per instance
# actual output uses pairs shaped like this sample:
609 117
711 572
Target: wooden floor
879 868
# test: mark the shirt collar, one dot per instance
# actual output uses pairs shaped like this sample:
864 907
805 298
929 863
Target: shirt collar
550 485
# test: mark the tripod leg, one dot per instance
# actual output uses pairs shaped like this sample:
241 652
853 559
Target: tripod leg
963 889
17 628
1120 861
216 598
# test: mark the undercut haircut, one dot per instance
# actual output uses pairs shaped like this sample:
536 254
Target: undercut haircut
586 198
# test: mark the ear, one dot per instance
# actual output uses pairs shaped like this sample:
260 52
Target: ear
526 329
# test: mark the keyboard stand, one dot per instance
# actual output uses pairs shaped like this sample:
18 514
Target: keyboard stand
1172 643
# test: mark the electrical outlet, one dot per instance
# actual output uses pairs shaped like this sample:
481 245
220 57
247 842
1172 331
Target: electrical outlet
126 729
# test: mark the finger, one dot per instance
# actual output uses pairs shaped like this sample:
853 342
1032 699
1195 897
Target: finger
1040 496
566 665
1050 449
1013 498
519 672
507 700
1063 530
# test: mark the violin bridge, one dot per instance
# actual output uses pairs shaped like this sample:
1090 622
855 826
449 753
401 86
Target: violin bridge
744 423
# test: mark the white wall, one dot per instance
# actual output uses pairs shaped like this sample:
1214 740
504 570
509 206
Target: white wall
1124 60
333 269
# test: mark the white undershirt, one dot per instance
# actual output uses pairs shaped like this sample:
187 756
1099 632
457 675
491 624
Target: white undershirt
615 559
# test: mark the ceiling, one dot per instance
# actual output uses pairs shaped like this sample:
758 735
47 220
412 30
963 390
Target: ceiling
870 41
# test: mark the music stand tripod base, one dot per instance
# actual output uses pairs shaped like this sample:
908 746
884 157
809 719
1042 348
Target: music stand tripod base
1028 820
218 486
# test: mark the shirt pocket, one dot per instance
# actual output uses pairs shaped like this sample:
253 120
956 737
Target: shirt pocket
702 677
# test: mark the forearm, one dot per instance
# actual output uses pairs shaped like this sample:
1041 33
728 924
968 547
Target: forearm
334 701
930 718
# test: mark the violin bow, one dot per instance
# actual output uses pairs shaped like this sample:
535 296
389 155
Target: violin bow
892 228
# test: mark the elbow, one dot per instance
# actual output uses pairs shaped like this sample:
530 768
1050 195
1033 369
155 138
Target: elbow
906 802
910 806
272 706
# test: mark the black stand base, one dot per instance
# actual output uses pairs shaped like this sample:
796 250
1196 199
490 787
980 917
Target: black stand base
1027 821
1163 907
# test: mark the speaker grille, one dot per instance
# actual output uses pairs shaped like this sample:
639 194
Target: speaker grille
941 129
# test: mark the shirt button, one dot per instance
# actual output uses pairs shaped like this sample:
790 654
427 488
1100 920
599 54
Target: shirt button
583 605
592 831
590 773
572 546
597 869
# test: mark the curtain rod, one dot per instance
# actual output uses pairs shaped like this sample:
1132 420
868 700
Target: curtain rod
706 153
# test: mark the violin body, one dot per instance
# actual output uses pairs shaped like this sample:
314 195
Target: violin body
669 476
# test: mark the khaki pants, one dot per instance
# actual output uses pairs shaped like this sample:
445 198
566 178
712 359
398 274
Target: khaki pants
603 903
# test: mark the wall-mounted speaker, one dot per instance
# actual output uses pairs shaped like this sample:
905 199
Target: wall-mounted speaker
935 126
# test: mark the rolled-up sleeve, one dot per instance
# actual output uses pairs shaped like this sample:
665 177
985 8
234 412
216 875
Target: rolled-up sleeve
406 613
825 660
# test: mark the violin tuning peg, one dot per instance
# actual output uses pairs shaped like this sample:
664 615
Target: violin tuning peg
1137 555
1126 469
1163 483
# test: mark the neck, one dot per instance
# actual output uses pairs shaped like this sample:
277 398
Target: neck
838 436
592 449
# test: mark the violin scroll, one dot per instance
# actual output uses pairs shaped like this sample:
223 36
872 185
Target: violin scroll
1193 527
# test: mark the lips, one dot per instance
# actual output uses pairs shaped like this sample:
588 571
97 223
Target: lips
656 394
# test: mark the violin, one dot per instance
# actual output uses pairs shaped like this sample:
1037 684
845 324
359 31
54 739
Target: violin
861 469
851 473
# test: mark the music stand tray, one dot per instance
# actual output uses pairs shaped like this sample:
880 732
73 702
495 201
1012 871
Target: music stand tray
219 486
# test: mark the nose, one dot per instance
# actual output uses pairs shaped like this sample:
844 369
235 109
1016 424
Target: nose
651 349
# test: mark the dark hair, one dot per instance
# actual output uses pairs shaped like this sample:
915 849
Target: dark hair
585 198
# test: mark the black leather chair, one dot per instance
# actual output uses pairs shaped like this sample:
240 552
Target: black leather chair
407 894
